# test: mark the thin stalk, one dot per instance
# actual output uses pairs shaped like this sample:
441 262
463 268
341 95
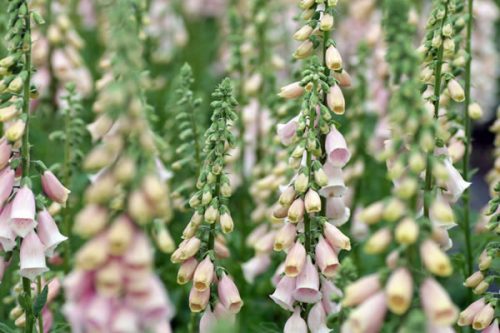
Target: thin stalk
40 317
25 156
67 180
437 93
467 125
307 218
197 149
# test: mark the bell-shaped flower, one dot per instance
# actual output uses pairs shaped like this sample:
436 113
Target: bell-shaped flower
295 324
7 178
286 132
198 300
360 290
335 237
32 257
307 284
369 316
208 321
399 291
256 266
22 215
467 316
437 304
229 295
336 186
204 274
336 211
484 317
283 293
329 290
326 258
53 188
7 236
336 149
186 271
49 233
295 260
316 319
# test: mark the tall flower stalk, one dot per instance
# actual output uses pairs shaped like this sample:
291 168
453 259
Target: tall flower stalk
318 153
213 292
400 232
113 285
23 216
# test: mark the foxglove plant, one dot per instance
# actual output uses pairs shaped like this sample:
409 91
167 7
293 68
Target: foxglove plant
188 155
113 286
24 220
213 292
57 54
400 231
318 153
481 314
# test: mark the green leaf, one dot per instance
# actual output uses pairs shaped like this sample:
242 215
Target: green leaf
6 329
40 301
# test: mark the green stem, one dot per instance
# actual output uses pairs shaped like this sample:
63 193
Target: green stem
307 218
197 149
40 317
467 125
67 180
25 153
437 94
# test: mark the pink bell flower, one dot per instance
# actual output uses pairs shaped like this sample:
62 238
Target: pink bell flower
22 215
204 274
493 328
49 233
437 304
295 324
7 236
336 149
283 293
53 188
5 152
295 260
32 257
7 178
369 316
316 319
328 289
208 321
286 132
326 258
307 284
229 295
336 211
98 314
336 186
256 266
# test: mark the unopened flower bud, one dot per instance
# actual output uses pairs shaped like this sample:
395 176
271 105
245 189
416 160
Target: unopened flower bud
379 241
456 91
211 214
475 111
296 211
226 223
333 58
303 33
287 196
312 201
326 22
406 232
301 183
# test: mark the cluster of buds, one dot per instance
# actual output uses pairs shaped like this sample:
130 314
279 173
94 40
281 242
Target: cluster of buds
397 221
56 54
187 156
113 286
203 242
17 314
309 234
